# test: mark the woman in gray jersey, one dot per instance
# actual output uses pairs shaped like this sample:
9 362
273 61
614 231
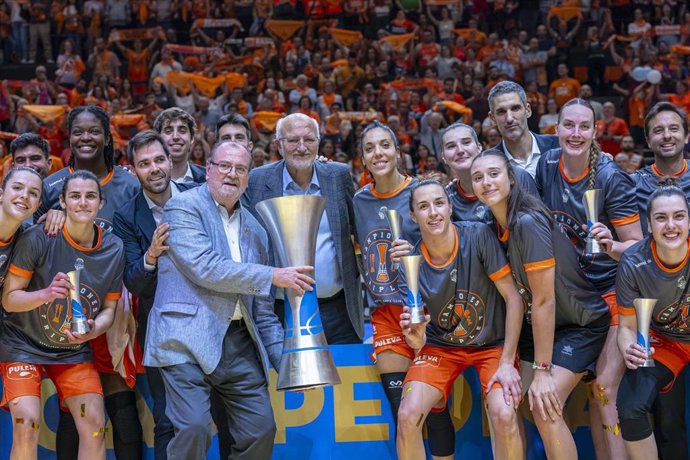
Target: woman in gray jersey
390 191
36 336
566 322
658 267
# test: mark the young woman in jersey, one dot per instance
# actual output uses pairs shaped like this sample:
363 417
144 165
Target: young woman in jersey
655 268
563 175
566 322
91 143
460 146
36 335
390 191
475 314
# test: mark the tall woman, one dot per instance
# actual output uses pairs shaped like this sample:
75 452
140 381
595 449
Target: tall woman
563 176
390 191
655 268
91 144
566 322
475 313
36 335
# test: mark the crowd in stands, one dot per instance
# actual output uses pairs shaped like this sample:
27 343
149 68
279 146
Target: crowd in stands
416 65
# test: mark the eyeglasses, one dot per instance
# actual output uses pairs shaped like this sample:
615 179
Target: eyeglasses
293 142
225 168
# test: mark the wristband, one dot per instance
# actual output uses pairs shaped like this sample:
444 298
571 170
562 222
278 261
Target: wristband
537 366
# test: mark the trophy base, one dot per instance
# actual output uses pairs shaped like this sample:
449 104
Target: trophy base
648 363
593 247
306 369
79 326
417 315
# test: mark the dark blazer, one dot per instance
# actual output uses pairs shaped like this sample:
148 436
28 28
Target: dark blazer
198 173
134 224
545 142
337 188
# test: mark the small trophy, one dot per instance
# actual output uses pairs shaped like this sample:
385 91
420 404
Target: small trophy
395 222
643 310
414 299
591 202
79 324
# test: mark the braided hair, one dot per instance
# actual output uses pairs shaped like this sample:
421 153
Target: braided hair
104 119
594 149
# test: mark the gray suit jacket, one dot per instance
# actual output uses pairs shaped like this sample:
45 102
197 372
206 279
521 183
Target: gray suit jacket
336 187
198 285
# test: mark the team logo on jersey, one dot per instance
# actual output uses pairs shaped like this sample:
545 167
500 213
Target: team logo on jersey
676 317
464 317
3 259
382 212
454 275
381 276
682 282
55 317
576 233
480 212
565 196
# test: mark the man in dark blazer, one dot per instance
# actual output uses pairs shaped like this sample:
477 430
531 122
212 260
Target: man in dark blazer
298 173
177 128
212 325
509 109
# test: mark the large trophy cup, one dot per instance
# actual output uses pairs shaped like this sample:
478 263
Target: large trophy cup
79 324
293 223
643 310
591 202
395 223
414 300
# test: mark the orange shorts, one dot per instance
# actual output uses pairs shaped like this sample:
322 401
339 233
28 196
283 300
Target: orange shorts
610 298
388 336
440 366
23 379
672 354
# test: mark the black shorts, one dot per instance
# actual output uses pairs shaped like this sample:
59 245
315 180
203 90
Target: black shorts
575 348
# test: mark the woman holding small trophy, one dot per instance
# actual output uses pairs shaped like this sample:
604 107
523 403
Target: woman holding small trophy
474 318
566 322
652 283
51 285
594 202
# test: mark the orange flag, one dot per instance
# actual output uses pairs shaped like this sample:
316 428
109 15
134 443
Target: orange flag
283 29
564 13
339 63
235 80
122 119
266 120
471 35
460 109
207 85
180 80
346 37
397 41
681 49
45 113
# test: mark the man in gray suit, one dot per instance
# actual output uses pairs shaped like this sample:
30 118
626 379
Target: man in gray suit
212 324
337 278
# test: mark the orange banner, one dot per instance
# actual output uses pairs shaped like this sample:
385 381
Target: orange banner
564 13
135 34
180 80
283 29
235 80
681 49
397 41
460 109
207 85
346 37
471 35
266 120
45 113
122 119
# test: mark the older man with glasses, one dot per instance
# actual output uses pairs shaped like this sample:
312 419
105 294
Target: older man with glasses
298 173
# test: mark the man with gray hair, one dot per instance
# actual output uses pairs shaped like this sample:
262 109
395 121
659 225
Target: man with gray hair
298 173
509 110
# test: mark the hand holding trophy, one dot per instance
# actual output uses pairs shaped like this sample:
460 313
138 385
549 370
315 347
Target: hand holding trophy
79 324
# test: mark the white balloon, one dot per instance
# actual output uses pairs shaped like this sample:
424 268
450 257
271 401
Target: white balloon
654 77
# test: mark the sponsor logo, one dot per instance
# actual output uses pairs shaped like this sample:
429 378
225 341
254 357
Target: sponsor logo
454 275
480 212
382 212
425 360
642 264
387 341
567 350
22 372
682 282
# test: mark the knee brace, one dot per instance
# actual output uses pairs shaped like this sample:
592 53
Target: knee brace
441 433
392 386
636 429
122 410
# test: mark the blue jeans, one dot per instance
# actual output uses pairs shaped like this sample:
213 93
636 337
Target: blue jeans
20 34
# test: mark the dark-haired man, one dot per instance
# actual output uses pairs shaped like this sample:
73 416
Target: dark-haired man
177 128
33 151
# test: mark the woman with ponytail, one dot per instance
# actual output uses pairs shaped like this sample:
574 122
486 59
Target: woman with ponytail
563 176
566 322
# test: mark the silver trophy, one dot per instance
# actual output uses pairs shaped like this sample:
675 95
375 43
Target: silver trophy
414 300
643 310
592 204
78 324
293 223
395 223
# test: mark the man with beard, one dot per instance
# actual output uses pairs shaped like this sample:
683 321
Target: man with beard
509 110
177 128
33 151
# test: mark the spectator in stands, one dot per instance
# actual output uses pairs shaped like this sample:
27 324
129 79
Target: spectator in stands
611 129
